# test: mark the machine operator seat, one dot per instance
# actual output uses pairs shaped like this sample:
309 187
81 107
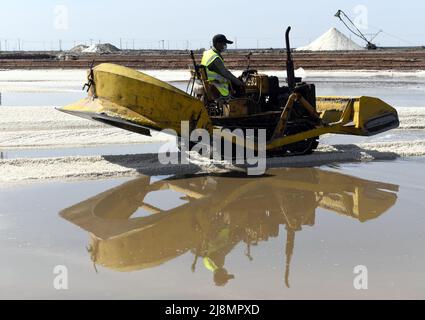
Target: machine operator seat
210 92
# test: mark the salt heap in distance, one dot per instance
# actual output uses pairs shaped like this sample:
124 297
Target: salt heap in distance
332 40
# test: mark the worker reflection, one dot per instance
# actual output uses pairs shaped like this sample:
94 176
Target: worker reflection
217 246
217 73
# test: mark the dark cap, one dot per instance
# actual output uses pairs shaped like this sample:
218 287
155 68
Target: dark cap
222 277
221 38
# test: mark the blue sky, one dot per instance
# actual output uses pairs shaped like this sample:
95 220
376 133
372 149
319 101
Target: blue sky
179 23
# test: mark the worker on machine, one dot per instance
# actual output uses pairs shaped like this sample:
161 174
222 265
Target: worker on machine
217 73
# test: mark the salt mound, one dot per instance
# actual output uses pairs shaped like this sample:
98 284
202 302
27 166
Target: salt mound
79 48
332 40
101 48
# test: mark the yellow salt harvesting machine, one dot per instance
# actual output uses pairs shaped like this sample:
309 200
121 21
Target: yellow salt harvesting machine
292 115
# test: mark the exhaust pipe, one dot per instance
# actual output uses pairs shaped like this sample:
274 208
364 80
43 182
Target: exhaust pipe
290 73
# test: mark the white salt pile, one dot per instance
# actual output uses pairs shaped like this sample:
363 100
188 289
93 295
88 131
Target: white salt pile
332 40
78 49
101 48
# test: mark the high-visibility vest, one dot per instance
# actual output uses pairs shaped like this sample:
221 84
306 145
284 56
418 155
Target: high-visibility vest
218 243
220 82
210 264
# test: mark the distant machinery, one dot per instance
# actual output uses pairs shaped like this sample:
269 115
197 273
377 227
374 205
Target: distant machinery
353 29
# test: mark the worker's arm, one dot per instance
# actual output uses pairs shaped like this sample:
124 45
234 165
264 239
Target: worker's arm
218 67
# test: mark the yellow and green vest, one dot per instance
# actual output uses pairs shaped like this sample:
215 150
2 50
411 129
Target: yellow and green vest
220 82
215 245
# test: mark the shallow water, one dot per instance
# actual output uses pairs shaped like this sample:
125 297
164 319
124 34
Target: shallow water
397 94
83 151
16 99
65 87
393 91
296 233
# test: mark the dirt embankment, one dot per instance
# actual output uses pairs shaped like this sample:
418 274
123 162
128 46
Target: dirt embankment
402 60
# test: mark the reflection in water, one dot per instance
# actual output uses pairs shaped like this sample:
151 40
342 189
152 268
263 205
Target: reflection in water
132 226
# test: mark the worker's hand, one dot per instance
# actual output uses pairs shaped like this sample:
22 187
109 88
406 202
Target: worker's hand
240 84
240 90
